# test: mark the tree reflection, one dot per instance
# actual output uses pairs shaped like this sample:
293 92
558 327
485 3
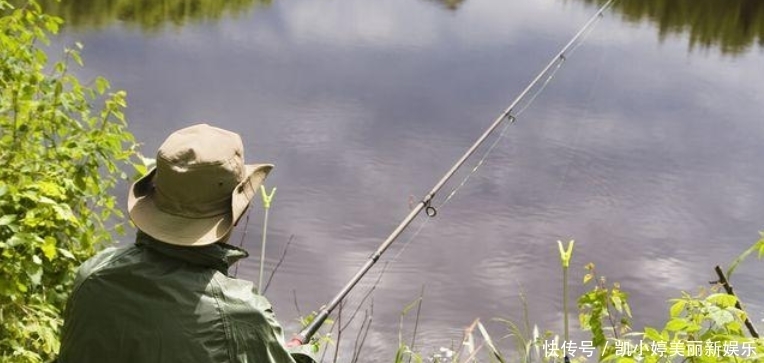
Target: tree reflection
148 15
733 26
450 4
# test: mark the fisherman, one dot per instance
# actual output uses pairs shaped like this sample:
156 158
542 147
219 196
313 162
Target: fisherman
168 298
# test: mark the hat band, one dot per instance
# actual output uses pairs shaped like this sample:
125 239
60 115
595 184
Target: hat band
206 209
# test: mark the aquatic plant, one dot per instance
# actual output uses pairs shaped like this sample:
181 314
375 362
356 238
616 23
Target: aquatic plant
708 326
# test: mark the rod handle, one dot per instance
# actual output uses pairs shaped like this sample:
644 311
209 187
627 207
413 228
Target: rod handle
307 333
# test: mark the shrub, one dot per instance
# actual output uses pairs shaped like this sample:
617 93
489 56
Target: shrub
62 143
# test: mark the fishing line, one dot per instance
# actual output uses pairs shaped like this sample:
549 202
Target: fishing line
563 180
426 203
424 223
550 74
510 120
576 133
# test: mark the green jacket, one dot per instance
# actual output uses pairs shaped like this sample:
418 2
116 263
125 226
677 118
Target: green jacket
157 303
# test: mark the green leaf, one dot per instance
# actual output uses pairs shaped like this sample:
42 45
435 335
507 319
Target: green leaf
7 219
76 57
18 239
588 278
35 276
720 316
46 200
101 84
66 253
677 308
652 334
676 324
617 303
49 248
64 213
60 68
693 328
50 189
723 300
411 305
627 308
735 326
758 246
489 342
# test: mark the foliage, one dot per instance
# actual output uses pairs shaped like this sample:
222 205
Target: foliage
405 352
62 143
757 247
604 310
149 16
701 328
452 5
528 341
706 327
733 26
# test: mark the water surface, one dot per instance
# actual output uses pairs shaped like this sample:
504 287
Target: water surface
646 147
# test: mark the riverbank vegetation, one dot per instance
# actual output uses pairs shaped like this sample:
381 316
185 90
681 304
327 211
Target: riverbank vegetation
732 26
708 326
63 144
148 16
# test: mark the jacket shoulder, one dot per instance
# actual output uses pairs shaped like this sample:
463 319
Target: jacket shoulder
240 292
100 261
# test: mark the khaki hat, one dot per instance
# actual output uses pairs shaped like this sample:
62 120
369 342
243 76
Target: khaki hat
199 188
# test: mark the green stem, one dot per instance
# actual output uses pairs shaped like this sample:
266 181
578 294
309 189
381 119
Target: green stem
267 206
565 256
262 253
16 110
565 300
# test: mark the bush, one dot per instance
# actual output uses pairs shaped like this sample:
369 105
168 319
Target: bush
708 327
62 143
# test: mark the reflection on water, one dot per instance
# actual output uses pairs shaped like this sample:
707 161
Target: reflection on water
361 104
148 15
450 4
733 26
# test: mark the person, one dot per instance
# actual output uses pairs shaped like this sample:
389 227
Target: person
168 298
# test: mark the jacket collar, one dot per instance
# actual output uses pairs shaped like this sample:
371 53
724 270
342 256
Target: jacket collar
219 256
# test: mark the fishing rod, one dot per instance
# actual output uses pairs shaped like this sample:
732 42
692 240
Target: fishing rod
426 203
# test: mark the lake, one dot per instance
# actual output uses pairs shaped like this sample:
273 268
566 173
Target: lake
646 147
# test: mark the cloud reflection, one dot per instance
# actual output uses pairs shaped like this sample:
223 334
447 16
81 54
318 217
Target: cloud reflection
644 154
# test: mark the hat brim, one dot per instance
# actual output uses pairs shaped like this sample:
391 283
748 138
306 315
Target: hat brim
185 231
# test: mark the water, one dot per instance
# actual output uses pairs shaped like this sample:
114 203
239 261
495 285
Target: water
645 148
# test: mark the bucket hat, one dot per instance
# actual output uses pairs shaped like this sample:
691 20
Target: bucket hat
199 188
